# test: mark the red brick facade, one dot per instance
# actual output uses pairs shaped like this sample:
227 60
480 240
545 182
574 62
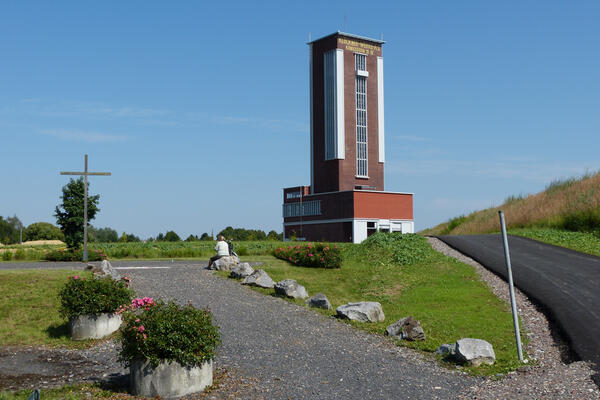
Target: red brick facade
339 206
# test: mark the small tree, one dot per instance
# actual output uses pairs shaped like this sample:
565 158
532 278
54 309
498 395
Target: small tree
69 214
171 236
206 237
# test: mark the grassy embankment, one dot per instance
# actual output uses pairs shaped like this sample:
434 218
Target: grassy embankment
566 214
445 295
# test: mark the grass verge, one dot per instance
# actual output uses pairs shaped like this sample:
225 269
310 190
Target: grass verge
584 242
29 309
446 295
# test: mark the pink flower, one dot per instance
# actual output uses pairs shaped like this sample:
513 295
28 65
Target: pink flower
137 320
310 254
323 259
141 328
145 336
76 277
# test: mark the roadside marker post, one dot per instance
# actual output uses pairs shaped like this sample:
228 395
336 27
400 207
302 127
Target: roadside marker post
513 303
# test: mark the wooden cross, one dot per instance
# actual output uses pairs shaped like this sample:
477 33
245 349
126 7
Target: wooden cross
85 175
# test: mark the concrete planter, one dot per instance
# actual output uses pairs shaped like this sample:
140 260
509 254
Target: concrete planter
169 379
93 326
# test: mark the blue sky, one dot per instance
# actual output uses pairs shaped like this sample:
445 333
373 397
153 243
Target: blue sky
200 110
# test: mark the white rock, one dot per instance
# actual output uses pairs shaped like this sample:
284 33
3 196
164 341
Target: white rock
241 270
225 263
475 352
259 278
291 288
364 311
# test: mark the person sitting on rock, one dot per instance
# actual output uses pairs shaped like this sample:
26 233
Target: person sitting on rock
221 248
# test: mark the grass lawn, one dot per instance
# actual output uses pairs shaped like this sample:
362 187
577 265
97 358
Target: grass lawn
584 242
29 309
445 295
69 392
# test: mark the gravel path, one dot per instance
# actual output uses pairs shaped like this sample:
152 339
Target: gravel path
552 376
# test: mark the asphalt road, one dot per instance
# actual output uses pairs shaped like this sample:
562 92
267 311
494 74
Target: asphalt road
564 281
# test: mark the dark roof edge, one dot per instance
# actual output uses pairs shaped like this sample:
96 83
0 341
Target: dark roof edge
348 35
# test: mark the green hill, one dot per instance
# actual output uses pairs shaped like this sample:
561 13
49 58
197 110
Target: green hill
566 213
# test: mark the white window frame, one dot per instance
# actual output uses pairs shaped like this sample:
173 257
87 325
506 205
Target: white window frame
362 131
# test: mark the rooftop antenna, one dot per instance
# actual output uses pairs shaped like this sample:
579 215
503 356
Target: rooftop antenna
309 37
345 21
381 36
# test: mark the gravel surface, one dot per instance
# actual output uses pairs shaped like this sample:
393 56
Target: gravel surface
551 375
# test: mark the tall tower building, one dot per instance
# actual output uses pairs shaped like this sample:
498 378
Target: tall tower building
346 200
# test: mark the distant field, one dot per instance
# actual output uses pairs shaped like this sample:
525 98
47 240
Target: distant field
140 250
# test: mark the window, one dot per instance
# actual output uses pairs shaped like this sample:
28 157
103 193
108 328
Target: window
308 208
360 61
361 124
293 195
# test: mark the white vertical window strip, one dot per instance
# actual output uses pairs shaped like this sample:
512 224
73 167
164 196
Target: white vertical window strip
312 156
340 125
380 115
361 127
330 114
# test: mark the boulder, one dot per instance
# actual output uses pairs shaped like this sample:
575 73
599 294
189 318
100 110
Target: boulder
105 269
446 349
259 278
475 352
319 300
364 311
406 328
291 288
241 270
225 263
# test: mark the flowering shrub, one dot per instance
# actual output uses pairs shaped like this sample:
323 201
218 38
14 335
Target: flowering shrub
74 255
318 255
80 296
158 331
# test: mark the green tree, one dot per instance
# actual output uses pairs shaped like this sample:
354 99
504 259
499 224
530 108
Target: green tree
10 230
42 231
69 214
103 235
123 238
206 237
172 237
272 235
192 238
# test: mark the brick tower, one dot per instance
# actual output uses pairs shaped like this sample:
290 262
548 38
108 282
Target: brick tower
346 200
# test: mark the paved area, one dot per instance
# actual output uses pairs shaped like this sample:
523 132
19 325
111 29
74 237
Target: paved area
564 281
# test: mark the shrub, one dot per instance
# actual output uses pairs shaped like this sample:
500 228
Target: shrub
168 332
396 248
318 255
7 255
82 296
20 254
74 255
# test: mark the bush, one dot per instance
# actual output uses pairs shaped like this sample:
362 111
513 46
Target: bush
168 332
7 255
396 248
82 296
319 255
74 255
20 254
